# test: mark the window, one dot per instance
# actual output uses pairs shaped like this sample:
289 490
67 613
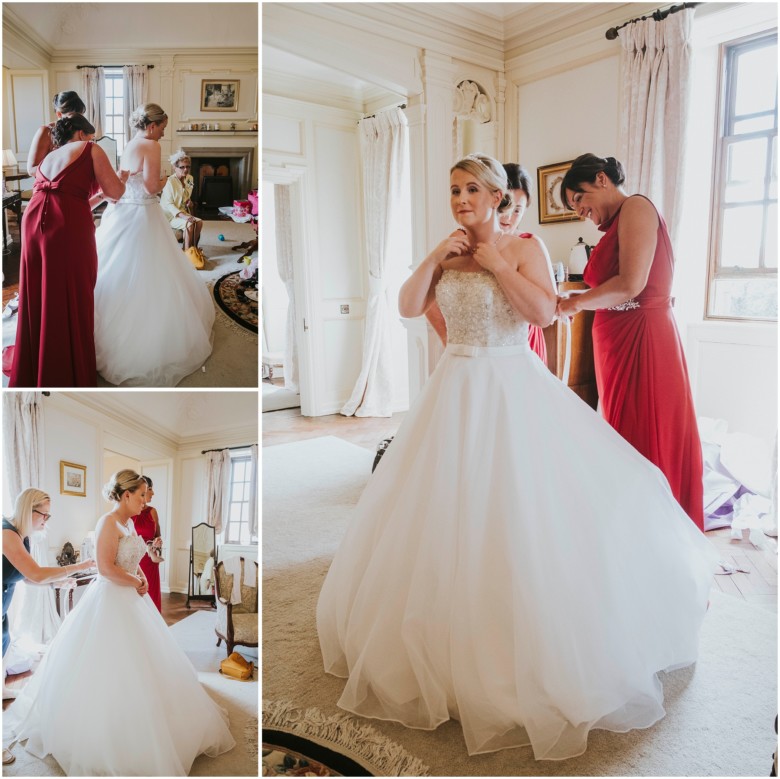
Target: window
236 529
743 239
115 108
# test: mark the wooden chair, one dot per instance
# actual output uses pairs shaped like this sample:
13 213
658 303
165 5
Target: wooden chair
237 623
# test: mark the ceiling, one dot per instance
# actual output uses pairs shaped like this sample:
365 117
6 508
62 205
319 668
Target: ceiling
179 415
62 27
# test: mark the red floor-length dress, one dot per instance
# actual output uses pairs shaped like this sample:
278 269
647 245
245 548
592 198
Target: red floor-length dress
641 371
536 333
146 527
55 336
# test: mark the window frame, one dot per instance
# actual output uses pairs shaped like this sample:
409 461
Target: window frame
116 75
727 77
241 455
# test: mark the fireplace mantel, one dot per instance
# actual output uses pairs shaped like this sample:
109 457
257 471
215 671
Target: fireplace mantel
244 155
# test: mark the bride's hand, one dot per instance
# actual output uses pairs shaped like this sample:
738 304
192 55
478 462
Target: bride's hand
123 176
143 587
489 257
452 246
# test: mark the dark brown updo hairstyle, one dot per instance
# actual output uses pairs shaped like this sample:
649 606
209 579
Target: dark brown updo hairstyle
64 129
148 481
517 177
584 171
68 103
126 480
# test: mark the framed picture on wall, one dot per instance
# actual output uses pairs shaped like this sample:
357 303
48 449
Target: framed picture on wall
551 207
73 479
219 95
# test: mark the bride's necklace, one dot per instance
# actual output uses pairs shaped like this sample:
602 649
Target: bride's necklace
472 249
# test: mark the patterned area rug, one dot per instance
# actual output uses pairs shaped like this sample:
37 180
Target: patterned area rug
238 299
298 742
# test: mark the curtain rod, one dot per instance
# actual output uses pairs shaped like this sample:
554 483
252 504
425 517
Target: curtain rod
658 15
245 446
79 67
402 106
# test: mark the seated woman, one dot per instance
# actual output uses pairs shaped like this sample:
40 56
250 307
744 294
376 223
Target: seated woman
177 204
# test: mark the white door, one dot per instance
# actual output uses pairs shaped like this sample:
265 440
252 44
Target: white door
159 471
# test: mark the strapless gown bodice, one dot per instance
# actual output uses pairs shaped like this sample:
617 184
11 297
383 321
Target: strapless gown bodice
477 311
135 192
130 550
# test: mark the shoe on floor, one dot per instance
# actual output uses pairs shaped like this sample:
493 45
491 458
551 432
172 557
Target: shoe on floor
8 756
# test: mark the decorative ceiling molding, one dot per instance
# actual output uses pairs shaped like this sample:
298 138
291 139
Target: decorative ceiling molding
15 29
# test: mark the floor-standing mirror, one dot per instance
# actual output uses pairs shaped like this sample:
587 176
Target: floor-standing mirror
203 559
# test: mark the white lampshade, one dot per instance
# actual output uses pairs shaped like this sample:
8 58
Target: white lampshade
8 158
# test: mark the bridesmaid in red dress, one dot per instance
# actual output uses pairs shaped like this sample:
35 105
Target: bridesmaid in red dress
147 525
640 365
511 213
55 339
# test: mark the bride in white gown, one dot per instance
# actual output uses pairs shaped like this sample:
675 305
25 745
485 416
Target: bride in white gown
153 315
513 563
115 695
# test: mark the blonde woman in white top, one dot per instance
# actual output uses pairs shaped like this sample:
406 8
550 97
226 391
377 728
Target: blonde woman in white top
176 201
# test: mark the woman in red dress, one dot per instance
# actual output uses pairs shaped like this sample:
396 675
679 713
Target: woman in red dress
147 525
55 335
640 365
511 213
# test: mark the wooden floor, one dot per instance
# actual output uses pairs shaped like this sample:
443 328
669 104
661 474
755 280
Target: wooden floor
174 609
11 260
759 586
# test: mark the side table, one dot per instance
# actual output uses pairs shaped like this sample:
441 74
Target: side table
63 604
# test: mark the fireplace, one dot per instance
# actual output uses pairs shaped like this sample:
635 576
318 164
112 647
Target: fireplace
215 163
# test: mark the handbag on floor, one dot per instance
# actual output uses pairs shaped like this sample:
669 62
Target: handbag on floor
236 667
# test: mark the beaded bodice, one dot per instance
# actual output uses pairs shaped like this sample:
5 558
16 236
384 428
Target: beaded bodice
477 312
135 192
131 549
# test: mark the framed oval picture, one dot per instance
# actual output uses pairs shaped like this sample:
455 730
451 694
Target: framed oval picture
551 207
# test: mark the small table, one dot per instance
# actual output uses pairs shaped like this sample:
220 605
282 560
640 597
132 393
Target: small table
12 200
69 584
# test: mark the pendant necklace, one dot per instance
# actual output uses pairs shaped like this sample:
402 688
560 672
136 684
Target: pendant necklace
472 249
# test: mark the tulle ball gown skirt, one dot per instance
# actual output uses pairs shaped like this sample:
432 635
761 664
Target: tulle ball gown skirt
153 313
514 564
115 694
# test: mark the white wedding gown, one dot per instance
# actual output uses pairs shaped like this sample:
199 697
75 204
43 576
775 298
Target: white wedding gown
513 563
115 695
153 314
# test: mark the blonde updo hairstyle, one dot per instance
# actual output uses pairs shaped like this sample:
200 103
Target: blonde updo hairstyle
26 501
490 173
146 114
126 480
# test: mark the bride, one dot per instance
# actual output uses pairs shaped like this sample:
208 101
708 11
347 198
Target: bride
153 315
513 562
115 695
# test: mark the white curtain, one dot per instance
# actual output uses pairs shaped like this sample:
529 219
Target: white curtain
656 68
284 263
33 615
95 98
383 145
253 491
136 88
218 486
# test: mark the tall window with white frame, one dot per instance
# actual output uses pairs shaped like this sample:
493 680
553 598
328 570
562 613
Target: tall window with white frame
115 108
742 283
236 528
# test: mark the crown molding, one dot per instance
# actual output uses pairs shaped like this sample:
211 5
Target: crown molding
16 31
236 435
154 56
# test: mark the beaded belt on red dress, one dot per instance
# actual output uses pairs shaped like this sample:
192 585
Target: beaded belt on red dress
660 301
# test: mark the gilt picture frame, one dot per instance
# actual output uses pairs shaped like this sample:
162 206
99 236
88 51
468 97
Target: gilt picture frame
221 95
73 479
551 207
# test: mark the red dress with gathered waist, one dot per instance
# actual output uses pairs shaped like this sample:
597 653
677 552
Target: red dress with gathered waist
536 333
641 371
147 528
55 335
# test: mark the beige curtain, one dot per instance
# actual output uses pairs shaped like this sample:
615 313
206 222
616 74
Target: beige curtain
95 97
383 144
136 89
656 67
218 486
284 264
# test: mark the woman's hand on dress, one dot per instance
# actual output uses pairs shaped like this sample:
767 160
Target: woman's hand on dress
85 565
143 587
489 257
567 306
124 175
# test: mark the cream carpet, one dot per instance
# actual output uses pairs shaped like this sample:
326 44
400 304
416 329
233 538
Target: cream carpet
720 714
195 635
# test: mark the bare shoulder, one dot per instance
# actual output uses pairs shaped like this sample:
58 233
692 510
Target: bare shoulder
523 249
105 524
637 209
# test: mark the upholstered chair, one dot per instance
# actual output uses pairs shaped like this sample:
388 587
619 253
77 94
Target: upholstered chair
237 623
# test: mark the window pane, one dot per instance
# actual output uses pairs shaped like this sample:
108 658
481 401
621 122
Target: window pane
109 87
754 125
754 298
741 237
773 175
244 537
236 491
240 470
756 81
770 237
745 169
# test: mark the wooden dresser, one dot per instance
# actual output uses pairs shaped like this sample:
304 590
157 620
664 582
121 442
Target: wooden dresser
582 375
